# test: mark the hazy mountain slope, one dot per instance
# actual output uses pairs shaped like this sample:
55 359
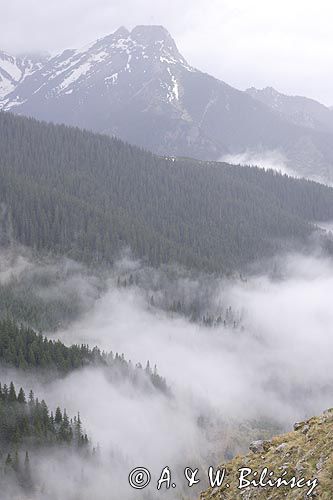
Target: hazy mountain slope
299 110
306 452
88 196
14 70
137 86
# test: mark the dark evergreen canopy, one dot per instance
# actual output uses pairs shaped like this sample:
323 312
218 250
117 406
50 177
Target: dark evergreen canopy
87 196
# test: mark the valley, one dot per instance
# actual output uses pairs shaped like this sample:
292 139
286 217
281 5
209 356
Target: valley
166 251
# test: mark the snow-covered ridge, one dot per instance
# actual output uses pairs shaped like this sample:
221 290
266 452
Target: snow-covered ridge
127 52
14 70
146 49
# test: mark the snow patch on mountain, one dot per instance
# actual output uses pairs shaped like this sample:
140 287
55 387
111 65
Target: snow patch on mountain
173 89
146 49
9 66
75 75
13 71
6 86
112 79
13 103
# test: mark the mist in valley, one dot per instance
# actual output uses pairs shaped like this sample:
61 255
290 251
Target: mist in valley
166 250
228 383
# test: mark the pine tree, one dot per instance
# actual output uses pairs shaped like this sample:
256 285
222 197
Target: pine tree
58 416
21 396
26 476
12 393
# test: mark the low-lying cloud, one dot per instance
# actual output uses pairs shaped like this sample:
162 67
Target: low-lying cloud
267 159
274 369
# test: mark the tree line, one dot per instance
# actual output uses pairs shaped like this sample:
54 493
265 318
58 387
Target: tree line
27 425
23 348
28 421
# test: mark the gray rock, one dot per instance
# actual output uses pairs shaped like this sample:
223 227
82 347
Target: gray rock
281 447
298 425
259 446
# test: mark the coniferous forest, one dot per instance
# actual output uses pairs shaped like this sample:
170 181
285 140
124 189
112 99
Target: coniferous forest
21 347
28 426
162 313
69 195
26 421
88 196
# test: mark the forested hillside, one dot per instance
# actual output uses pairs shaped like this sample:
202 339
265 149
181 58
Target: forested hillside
87 196
27 426
24 420
21 347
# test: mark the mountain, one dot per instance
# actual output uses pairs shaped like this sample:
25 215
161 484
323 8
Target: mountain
14 70
306 452
299 110
87 196
137 86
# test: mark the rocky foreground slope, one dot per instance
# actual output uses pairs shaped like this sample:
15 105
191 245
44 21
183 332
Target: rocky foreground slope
307 453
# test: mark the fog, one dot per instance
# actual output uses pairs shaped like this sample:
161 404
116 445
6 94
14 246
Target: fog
286 319
228 386
269 160
59 288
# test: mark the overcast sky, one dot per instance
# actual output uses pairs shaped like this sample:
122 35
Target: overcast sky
287 44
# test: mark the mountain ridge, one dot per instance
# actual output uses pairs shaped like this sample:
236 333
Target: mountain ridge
14 69
299 110
136 85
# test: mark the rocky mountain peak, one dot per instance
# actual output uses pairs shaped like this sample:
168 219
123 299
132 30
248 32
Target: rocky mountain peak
121 32
136 85
151 34
266 91
148 44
